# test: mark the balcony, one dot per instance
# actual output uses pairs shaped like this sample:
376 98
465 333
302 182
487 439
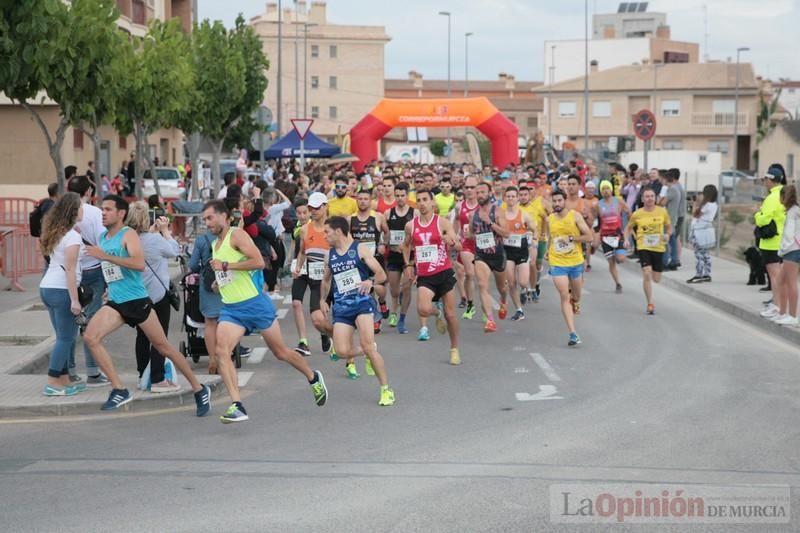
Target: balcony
723 121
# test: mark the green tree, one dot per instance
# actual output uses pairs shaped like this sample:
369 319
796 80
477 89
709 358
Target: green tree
157 88
437 147
54 50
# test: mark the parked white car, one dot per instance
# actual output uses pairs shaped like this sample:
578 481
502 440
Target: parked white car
170 181
728 178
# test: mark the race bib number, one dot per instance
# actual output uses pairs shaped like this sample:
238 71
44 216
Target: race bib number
371 246
563 245
611 240
316 270
397 237
303 271
427 254
111 272
347 281
514 241
485 241
652 240
223 278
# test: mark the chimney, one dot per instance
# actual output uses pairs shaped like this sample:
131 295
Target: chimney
593 66
416 78
663 32
272 11
318 14
510 82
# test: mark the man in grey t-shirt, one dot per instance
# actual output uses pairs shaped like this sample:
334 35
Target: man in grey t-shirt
672 204
682 210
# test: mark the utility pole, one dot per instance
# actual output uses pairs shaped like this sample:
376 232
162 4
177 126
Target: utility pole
447 14
279 111
466 63
586 77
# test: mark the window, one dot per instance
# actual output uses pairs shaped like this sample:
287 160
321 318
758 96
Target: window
332 82
314 50
671 144
601 109
77 138
566 109
723 106
790 165
670 108
533 122
718 146
333 51
123 142
332 112
314 111
314 82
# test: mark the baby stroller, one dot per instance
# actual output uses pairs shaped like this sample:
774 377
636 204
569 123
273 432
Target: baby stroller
194 323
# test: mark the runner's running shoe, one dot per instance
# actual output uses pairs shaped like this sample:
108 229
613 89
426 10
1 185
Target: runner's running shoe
424 335
651 309
116 399
455 357
503 312
368 368
303 349
326 343
392 320
235 413
469 313
490 327
319 389
573 339
387 396
352 371
441 325
401 327
518 315
203 400
384 310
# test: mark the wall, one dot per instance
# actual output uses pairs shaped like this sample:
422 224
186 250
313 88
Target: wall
608 53
775 148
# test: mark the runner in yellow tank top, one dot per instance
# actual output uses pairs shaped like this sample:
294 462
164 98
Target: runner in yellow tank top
567 230
245 307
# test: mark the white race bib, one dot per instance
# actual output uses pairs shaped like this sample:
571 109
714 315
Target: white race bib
347 281
427 254
611 240
111 271
563 245
652 240
223 278
397 237
371 246
303 271
485 241
316 270
514 240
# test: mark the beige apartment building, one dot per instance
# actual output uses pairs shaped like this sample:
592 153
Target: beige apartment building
338 75
782 146
25 165
693 102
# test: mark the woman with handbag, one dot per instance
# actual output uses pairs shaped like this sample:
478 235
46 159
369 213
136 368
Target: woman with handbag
702 235
790 253
210 299
769 228
159 246
59 289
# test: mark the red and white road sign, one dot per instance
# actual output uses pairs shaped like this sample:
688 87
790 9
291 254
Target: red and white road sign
302 126
644 124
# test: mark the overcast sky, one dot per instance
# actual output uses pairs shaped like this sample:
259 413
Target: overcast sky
509 35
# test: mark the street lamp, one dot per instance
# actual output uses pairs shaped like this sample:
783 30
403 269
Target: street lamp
734 148
447 14
586 77
466 62
306 26
651 142
550 94
279 78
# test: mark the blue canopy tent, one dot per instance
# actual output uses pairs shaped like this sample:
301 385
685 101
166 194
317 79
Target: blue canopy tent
289 146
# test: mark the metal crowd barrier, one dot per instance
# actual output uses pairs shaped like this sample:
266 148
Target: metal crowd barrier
19 255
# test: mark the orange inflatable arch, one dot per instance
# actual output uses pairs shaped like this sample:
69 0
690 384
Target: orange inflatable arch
435 113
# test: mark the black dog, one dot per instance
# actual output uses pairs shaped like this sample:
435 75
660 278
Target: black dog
758 273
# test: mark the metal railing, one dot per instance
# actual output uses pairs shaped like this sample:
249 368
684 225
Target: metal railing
19 255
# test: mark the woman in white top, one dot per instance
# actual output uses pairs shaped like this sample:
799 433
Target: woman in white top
790 253
159 246
702 234
59 288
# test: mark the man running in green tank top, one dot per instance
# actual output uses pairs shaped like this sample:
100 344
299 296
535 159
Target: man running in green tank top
245 308
122 261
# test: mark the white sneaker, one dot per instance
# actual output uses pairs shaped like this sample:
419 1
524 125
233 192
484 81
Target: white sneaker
777 317
787 320
770 311
275 296
164 386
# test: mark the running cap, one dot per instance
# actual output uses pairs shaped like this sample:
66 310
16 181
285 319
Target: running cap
317 200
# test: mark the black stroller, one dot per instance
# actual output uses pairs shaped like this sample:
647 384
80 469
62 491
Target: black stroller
194 323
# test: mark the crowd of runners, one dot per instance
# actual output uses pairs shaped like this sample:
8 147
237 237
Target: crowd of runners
461 243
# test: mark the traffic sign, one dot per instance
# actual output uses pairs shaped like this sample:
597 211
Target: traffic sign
302 126
264 116
644 124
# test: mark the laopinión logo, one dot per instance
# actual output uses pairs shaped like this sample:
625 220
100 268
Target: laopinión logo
643 503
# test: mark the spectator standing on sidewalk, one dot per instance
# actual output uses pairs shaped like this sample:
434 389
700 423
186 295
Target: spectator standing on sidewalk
790 253
769 228
90 227
702 229
59 289
672 203
682 210
158 246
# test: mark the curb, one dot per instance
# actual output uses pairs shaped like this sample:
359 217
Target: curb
36 361
742 313
142 402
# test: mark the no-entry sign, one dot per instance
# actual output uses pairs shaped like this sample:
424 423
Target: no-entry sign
644 124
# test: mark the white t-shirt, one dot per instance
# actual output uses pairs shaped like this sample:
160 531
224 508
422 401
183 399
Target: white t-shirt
56 275
90 228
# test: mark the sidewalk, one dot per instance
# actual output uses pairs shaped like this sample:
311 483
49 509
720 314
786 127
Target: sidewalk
727 291
26 338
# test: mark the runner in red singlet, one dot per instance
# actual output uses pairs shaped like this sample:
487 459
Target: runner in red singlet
466 210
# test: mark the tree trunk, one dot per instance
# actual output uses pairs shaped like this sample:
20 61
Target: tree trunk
140 133
217 146
53 145
193 146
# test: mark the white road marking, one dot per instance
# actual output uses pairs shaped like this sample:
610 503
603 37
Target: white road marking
244 378
545 366
288 299
521 370
546 392
256 356
518 349
281 314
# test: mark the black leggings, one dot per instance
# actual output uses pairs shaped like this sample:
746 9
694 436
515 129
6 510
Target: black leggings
145 353
271 275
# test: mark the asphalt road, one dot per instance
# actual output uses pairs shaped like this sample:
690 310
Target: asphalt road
687 397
